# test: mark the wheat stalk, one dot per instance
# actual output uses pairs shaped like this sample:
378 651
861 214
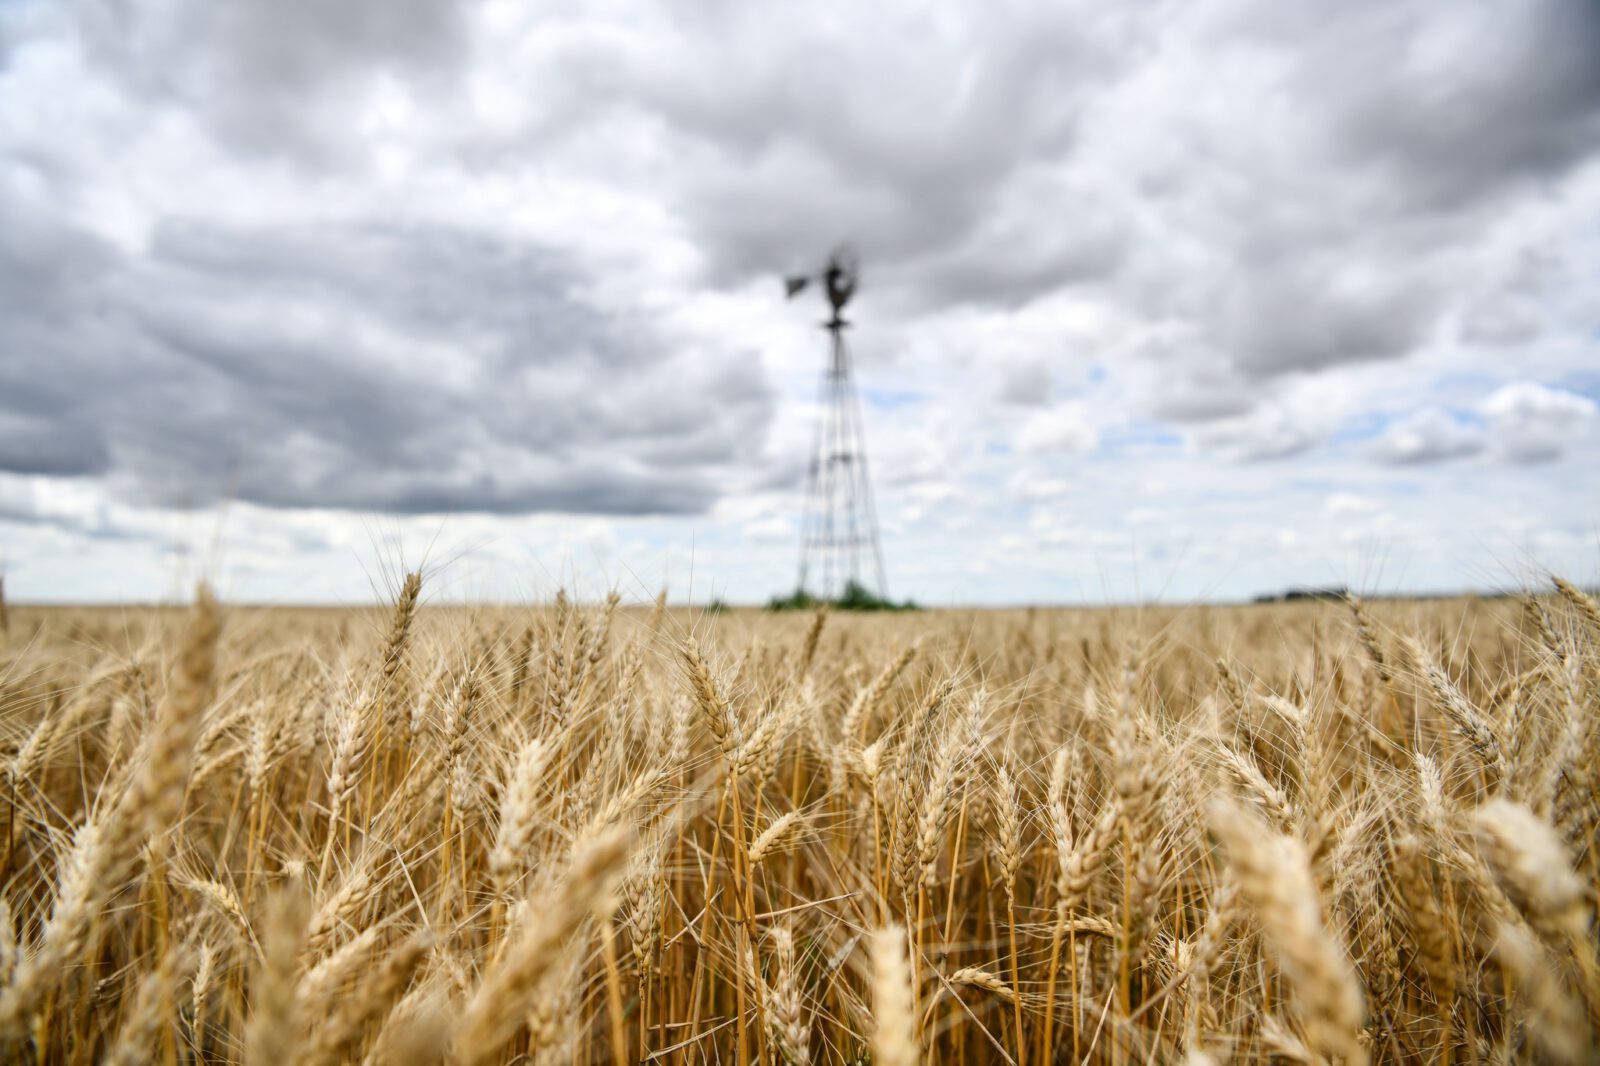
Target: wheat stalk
1274 874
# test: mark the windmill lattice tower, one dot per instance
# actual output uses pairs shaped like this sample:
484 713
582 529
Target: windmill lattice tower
839 530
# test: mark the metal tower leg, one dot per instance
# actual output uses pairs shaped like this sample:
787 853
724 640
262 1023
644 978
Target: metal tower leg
840 521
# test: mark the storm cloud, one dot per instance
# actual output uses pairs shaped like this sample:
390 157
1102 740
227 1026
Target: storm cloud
369 366
423 257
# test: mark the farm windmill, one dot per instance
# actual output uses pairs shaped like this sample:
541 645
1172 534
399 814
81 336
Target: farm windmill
839 526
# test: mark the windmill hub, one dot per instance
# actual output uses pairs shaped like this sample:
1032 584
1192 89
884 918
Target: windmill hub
840 278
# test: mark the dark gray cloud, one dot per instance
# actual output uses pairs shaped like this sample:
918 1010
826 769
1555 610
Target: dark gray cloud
920 140
34 444
1335 198
1282 188
1306 313
1332 213
1516 311
280 78
373 366
1026 384
952 149
1501 94
1314 190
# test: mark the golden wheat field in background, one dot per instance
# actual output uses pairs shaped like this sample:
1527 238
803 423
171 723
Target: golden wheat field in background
607 834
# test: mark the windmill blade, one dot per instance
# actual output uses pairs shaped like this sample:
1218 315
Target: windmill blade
795 285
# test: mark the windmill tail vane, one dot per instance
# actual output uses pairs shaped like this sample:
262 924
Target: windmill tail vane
839 546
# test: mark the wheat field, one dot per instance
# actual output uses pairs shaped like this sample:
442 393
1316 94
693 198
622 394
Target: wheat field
605 833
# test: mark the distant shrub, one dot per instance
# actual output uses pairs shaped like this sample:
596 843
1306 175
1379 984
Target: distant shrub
856 597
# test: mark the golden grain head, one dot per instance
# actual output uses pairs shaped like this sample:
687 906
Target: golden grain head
611 833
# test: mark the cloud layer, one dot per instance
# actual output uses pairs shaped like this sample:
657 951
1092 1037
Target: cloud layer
1132 272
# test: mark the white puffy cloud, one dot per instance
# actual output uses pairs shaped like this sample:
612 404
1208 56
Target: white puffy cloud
1350 505
1266 433
1429 436
1533 423
1063 428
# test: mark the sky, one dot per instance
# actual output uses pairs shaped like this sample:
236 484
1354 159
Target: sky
1167 300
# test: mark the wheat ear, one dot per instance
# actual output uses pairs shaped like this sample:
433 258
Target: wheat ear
1274 874
493 1014
894 1037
